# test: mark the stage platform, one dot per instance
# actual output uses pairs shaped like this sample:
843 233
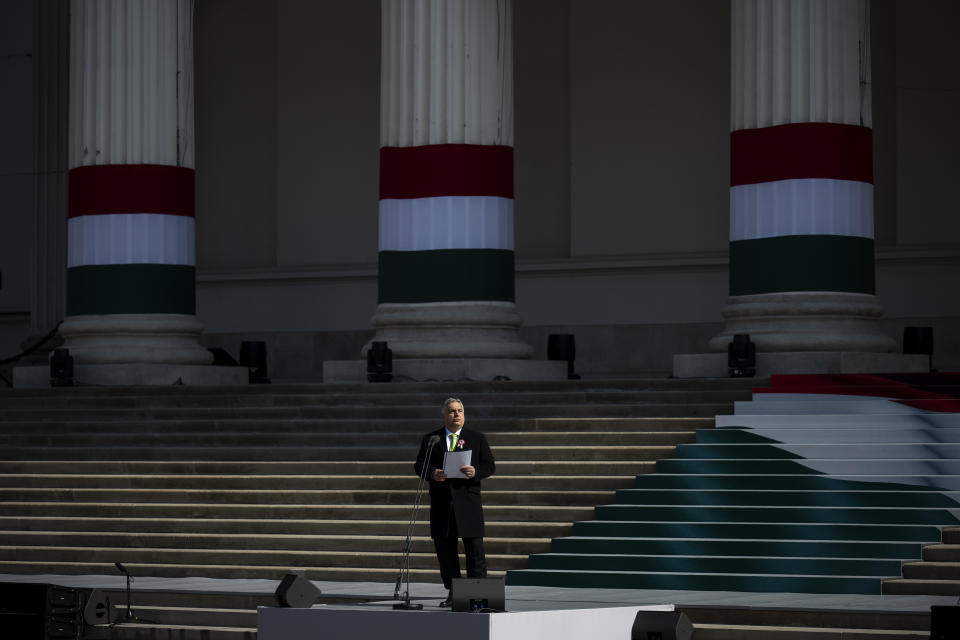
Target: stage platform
377 595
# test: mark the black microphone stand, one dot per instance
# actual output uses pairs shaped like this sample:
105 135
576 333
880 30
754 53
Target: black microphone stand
128 617
405 565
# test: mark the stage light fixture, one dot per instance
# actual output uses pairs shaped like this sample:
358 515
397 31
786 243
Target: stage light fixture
253 355
61 368
741 357
563 346
919 340
379 362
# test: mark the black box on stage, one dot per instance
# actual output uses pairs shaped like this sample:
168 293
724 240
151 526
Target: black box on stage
944 622
661 625
41 611
478 594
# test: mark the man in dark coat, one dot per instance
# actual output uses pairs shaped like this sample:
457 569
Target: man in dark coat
456 510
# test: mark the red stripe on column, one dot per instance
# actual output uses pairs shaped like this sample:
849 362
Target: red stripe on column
446 170
803 150
131 188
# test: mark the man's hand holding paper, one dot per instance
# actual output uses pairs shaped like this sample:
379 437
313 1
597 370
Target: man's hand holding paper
454 462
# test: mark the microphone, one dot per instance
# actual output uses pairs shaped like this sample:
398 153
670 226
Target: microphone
434 439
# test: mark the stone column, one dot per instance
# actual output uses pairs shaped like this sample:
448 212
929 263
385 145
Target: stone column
51 63
130 306
801 179
446 261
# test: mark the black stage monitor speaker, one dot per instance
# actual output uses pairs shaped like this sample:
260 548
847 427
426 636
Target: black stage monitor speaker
39 611
478 594
944 622
661 625
296 591
96 610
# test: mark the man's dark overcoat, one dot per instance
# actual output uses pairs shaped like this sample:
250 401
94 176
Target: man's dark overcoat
463 496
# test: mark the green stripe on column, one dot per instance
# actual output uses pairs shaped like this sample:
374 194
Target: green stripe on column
801 263
131 288
446 275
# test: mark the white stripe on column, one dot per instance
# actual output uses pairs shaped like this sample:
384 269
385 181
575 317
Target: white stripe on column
130 238
812 206
446 222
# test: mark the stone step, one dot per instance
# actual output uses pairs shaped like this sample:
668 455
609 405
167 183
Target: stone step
761 530
493 513
951 535
702 563
332 574
249 541
687 581
921 587
296 482
733 547
931 570
783 498
423 401
383 559
215 451
841 437
798 482
750 632
434 389
836 421
312 497
680 408
891 467
329 467
417 427
338 528
277 438
941 553
774 514
822 451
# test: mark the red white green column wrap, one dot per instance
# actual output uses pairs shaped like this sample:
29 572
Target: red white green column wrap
130 227
801 209
801 179
446 223
131 240
446 260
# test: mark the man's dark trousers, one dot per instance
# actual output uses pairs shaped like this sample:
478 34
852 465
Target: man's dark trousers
449 559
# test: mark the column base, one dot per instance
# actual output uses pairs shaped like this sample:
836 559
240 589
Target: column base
820 321
439 369
158 338
439 330
714 365
135 374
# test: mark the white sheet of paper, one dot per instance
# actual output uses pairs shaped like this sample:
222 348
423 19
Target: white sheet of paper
453 460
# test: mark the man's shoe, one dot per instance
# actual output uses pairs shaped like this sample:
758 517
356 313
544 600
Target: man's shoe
449 601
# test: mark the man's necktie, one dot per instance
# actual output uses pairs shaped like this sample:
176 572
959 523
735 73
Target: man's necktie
453 441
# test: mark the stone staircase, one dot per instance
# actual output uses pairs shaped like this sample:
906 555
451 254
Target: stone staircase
255 482
843 488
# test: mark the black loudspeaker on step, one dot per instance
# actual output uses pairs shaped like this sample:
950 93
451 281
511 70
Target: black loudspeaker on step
296 591
96 610
661 625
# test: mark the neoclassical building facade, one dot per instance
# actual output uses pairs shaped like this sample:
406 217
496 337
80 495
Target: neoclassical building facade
461 178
